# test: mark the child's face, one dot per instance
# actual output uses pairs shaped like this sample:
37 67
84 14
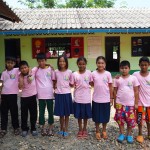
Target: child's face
24 69
10 64
81 65
124 70
101 65
41 63
144 65
62 63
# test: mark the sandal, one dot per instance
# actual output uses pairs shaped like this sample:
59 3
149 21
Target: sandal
98 136
17 131
44 132
66 134
79 135
140 139
85 134
50 132
60 133
2 133
104 135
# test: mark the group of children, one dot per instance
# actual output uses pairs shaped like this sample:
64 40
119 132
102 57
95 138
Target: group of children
130 97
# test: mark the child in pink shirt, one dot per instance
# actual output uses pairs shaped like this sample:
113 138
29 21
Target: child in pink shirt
102 96
9 79
143 112
82 96
63 98
28 98
125 101
44 84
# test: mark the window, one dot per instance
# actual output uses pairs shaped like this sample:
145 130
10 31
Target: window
140 46
72 47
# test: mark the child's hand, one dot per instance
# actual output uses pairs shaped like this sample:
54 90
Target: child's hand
111 102
136 106
29 79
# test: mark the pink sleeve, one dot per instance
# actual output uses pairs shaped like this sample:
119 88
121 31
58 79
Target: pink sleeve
34 70
135 82
109 78
71 78
115 83
2 76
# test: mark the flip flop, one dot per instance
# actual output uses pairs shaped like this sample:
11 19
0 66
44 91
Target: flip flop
50 132
60 133
85 134
2 133
79 135
104 135
44 132
98 136
66 134
140 139
17 131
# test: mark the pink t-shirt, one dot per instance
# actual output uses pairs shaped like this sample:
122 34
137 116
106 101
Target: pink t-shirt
125 92
144 89
44 83
101 86
29 89
10 81
82 93
63 81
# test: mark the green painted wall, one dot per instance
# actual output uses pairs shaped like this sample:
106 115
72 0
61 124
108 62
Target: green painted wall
26 50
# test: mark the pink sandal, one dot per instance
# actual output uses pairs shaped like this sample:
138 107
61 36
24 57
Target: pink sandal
85 134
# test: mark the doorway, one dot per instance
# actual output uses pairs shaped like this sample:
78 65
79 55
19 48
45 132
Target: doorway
112 53
12 48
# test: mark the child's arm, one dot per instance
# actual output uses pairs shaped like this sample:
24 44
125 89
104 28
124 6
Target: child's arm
1 85
91 83
20 85
111 93
136 95
115 93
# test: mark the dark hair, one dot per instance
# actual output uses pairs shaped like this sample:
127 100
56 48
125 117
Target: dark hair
144 58
100 57
10 58
23 63
125 63
41 56
81 59
66 60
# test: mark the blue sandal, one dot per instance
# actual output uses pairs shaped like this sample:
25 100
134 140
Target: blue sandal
121 138
129 139
60 133
66 134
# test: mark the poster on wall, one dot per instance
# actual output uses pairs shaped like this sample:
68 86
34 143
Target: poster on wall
77 47
38 45
94 44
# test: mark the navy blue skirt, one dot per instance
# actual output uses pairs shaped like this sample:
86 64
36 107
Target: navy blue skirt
82 111
63 105
101 112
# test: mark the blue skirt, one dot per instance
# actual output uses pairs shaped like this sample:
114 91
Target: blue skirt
101 112
63 105
82 111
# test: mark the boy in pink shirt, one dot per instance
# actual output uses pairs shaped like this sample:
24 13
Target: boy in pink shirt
28 98
125 101
44 84
143 112
9 79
